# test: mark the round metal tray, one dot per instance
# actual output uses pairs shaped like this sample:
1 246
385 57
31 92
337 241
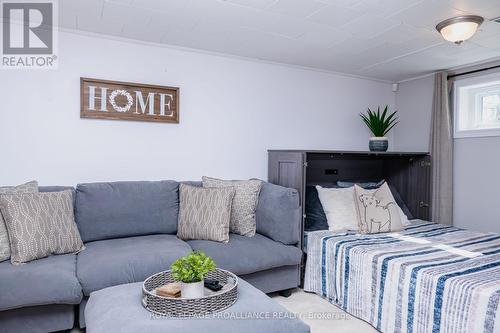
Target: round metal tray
189 307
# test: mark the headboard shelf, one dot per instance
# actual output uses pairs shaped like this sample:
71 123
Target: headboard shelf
351 152
408 172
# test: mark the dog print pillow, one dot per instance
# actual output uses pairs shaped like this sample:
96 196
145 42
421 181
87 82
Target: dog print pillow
377 210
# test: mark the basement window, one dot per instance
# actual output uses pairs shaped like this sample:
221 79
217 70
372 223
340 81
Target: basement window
477 106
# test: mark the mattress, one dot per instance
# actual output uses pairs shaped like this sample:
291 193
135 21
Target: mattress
427 278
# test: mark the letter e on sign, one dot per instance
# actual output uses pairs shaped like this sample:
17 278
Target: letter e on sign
102 99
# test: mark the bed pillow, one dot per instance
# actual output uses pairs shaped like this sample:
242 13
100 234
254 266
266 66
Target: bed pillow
30 187
244 203
377 210
403 209
204 213
364 184
315 215
339 207
40 224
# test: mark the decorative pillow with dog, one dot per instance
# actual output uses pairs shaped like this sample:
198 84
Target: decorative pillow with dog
377 210
40 224
30 187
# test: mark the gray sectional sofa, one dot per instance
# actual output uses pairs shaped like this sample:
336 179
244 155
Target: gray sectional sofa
129 230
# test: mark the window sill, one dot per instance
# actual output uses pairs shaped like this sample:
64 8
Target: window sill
477 133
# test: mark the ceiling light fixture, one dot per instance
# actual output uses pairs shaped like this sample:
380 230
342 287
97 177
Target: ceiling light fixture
460 28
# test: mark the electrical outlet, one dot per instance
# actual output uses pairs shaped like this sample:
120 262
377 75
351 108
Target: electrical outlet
331 172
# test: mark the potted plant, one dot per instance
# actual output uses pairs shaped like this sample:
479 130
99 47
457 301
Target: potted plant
380 124
190 270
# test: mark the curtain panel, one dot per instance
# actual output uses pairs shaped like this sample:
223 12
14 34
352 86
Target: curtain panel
441 149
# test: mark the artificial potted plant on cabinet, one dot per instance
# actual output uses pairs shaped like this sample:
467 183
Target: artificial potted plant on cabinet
379 123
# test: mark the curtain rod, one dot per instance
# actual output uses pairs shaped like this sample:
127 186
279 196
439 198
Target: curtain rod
474 71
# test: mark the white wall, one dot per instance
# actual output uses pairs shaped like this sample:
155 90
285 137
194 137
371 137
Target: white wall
231 112
476 160
414 105
476 180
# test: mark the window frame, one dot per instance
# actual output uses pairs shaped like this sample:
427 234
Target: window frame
472 133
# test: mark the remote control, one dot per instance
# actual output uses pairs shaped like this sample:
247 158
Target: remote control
213 285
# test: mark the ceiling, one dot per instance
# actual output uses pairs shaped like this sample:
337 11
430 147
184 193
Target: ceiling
389 40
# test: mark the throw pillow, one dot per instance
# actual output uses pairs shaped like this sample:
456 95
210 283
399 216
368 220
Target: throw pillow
377 210
364 184
404 212
244 204
30 187
338 204
204 213
40 224
315 218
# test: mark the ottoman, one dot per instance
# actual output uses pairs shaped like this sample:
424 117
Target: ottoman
119 309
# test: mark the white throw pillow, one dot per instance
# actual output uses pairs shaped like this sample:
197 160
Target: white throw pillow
339 207
377 210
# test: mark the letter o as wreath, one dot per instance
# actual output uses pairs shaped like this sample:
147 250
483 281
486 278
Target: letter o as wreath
118 108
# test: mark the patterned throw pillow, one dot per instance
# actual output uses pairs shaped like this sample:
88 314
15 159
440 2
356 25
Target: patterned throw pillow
377 210
31 187
204 213
40 224
244 205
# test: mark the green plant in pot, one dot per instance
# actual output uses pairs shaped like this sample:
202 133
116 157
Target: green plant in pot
380 123
191 270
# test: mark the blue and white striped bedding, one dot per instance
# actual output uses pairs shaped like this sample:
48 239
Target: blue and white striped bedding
427 278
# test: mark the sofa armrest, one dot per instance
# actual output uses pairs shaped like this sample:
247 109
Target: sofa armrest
278 214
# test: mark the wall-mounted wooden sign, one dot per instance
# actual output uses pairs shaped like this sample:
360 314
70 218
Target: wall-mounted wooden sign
128 101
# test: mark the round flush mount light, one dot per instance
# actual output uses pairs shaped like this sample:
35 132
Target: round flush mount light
460 28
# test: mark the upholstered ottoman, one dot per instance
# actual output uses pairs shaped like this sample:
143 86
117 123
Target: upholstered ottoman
119 309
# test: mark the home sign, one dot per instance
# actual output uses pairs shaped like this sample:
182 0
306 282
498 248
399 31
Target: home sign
100 99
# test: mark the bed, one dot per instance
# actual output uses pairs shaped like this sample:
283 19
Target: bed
426 278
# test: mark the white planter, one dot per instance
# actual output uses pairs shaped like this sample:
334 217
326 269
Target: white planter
193 290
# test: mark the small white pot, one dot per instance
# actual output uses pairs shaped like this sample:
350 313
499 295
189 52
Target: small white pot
193 290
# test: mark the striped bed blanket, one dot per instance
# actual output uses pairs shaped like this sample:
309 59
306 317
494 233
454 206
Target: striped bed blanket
427 278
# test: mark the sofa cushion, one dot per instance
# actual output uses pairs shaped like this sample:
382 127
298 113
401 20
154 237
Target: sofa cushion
56 189
40 224
118 309
30 187
124 209
278 213
204 213
50 280
244 203
245 255
110 262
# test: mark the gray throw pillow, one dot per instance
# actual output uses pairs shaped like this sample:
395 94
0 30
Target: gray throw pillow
40 224
31 187
245 201
204 213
